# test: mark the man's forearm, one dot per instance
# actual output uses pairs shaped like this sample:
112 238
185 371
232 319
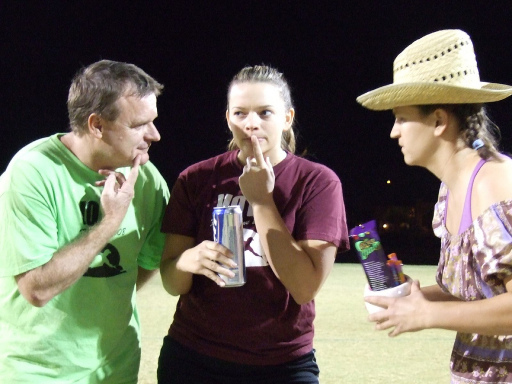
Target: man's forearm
66 266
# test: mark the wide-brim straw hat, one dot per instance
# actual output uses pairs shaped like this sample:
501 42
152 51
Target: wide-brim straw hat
439 68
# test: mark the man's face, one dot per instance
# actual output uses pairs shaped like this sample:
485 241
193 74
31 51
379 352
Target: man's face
132 132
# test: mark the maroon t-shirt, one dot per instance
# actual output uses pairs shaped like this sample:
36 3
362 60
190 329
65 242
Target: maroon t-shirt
258 323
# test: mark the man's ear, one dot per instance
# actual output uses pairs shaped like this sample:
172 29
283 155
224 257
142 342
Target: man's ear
95 125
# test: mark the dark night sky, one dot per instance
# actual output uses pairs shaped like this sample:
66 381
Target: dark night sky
330 52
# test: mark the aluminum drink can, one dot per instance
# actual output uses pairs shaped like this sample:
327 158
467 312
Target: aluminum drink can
228 231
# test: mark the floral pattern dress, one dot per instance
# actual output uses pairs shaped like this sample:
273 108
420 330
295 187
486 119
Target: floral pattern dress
472 266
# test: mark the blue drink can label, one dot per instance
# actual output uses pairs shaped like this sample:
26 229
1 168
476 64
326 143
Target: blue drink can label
228 231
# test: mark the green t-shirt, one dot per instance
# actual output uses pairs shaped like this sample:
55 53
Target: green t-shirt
90 332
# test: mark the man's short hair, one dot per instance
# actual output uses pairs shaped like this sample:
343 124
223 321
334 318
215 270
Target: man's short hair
96 88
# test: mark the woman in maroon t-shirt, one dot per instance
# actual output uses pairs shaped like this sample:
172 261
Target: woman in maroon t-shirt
294 222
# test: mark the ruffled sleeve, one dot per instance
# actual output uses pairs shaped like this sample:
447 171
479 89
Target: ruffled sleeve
493 242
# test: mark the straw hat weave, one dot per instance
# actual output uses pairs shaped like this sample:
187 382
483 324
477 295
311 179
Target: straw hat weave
439 68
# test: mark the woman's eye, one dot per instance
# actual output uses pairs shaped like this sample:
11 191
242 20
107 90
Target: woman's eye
266 112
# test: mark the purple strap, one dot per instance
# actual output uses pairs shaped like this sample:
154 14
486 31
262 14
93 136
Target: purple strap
467 217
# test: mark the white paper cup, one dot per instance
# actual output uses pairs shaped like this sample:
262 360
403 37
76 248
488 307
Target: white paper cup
398 291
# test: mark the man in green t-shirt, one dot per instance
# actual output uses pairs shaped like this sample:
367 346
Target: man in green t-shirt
80 231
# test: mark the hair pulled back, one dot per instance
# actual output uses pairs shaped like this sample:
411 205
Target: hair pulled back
266 74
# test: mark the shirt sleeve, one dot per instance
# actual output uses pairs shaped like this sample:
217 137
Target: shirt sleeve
180 207
493 241
26 215
322 215
151 252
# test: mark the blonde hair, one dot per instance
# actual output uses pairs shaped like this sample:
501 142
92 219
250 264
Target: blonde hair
266 74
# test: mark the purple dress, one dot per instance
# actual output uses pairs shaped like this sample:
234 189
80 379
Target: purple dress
472 266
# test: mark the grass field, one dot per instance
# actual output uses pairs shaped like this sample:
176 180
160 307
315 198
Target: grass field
349 350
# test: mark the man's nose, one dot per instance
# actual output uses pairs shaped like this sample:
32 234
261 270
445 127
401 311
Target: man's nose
152 133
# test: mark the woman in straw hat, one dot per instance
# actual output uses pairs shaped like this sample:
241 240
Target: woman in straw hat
441 124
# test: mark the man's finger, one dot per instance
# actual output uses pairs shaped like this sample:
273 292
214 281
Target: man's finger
120 178
134 172
105 172
110 182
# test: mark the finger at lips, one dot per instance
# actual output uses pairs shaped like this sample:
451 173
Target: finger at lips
258 154
136 161
134 172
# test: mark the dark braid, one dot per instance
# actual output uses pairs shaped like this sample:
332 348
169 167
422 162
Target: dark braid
474 124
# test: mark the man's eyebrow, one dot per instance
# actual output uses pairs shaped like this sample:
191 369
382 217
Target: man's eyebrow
136 123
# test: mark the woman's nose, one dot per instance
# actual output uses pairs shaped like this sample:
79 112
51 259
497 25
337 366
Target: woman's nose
252 121
395 131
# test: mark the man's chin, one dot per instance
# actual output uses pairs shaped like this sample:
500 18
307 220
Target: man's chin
144 158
